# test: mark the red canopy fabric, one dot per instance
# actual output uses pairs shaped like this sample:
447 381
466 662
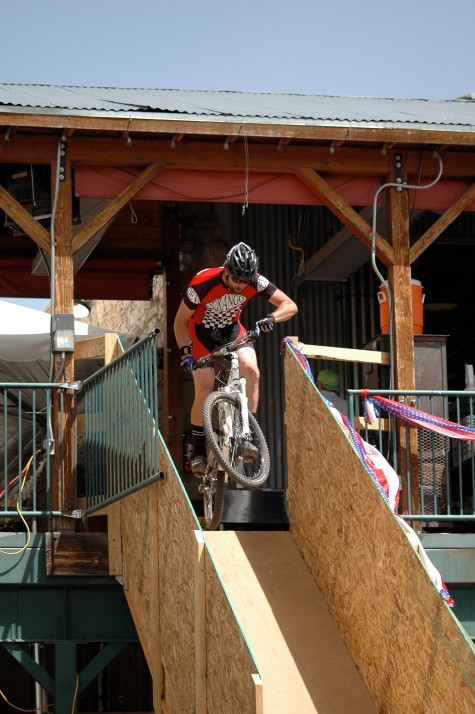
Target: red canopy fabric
230 187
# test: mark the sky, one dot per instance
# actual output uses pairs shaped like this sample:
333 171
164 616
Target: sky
413 49
420 49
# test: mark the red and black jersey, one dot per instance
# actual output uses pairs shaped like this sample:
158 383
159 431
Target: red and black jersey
215 305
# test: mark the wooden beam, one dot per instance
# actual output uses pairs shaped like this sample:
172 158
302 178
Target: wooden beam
345 354
25 220
345 213
218 127
441 224
403 344
173 379
102 218
209 155
360 423
69 553
64 297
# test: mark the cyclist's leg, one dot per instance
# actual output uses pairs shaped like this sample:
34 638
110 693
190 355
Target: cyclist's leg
204 382
249 369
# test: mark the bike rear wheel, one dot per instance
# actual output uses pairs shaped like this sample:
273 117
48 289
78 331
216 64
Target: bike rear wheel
212 491
222 417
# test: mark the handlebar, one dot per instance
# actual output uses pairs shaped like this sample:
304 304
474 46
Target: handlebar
207 360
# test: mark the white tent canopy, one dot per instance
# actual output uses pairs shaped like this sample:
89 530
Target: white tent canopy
25 334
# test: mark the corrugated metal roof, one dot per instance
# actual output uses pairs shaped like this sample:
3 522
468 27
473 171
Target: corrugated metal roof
456 114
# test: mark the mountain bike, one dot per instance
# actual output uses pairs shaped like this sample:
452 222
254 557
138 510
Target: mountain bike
229 429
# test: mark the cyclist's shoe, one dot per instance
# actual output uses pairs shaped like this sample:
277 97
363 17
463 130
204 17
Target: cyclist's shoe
198 465
249 452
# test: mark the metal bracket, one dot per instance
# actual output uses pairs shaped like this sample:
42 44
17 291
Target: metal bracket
62 159
398 171
69 385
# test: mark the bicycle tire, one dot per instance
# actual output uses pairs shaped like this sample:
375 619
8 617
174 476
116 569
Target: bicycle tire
212 491
217 407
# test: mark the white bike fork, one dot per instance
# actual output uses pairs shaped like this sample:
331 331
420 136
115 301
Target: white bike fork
241 395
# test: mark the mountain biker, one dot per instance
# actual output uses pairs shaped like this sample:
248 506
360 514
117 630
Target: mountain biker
209 316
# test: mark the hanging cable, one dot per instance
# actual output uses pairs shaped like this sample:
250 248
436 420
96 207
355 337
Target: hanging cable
4 493
19 709
246 193
385 282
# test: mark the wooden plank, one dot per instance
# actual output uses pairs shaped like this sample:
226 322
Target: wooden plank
172 377
259 708
64 467
89 347
442 223
360 423
200 624
410 650
108 213
304 665
230 664
114 538
69 553
111 151
25 220
345 354
112 347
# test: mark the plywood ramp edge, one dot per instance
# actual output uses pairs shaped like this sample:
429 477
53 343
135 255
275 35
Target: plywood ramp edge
411 651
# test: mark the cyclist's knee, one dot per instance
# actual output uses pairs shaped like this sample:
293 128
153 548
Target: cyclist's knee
252 374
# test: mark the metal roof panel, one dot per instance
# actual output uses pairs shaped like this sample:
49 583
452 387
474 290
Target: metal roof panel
272 107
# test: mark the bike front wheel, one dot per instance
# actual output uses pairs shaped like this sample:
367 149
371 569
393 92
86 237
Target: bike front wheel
222 423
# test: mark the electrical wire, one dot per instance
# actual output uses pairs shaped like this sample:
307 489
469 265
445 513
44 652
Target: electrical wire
222 197
245 205
73 708
19 709
24 473
301 264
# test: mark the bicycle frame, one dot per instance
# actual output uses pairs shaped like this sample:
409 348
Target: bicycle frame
236 384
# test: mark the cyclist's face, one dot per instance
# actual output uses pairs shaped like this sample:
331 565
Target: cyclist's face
233 283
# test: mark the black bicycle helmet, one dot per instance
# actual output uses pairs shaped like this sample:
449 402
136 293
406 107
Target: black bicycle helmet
242 261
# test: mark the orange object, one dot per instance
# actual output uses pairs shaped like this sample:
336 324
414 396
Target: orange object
417 308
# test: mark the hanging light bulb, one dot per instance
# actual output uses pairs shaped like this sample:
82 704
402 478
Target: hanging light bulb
80 309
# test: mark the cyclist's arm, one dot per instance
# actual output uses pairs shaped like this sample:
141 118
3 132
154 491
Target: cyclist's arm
182 317
285 306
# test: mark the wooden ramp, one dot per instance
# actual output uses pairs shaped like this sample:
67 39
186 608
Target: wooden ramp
304 664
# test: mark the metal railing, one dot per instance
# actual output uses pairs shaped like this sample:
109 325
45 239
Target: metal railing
26 449
120 450
445 472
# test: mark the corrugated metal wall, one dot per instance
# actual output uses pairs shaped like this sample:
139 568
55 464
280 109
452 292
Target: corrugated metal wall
341 314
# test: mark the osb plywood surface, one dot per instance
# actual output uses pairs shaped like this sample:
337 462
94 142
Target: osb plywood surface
176 556
304 664
409 648
139 568
230 686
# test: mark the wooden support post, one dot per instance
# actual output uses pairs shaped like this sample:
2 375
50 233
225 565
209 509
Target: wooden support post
64 493
403 345
173 401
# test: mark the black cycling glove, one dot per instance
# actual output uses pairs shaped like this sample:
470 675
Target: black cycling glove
266 324
186 359
187 365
